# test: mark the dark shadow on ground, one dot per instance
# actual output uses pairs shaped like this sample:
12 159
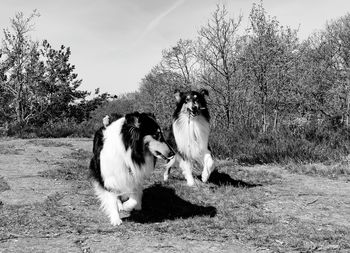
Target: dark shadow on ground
160 203
220 178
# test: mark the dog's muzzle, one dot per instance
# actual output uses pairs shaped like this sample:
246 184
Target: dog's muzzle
168 158
193 112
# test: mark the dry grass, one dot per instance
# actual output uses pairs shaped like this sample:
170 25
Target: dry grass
10 150
49 143
332 170
232 206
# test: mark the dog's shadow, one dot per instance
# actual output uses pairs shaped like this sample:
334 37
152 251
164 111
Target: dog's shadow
221 178
160 203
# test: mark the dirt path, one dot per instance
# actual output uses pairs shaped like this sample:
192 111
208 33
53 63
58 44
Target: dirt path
22 161
318 199
47 205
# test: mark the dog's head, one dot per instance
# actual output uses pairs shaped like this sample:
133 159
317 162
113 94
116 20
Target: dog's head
143 134
191 102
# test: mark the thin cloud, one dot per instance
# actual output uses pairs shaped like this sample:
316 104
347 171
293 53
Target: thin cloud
153 24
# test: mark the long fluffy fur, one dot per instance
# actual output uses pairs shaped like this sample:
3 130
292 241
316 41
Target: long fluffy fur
191 133
117 167
124 155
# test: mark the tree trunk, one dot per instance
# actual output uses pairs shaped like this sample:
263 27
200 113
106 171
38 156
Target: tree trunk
264 115
228 116
264 128
347 104
275 121
19 105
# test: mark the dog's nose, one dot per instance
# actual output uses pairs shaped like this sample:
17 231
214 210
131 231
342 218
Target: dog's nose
195 109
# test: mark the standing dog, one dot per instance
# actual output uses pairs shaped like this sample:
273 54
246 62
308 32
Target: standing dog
124 154
191 132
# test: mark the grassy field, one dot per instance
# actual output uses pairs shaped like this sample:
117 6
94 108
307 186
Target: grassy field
47 205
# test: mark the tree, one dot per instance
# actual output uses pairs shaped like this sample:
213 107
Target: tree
269 60
218 50
156 93
181 59
20 56
59 83
38 82
337 36
82 111
326 70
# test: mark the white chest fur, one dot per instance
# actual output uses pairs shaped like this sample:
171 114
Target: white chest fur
191 135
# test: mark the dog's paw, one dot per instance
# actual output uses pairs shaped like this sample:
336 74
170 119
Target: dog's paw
116 221
129 205
191 183
166 177
124 214
205 176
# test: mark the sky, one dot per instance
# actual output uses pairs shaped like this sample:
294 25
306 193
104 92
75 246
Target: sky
115 43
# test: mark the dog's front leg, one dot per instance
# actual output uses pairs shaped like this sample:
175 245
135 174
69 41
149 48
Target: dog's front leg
208 166
119 204
109 204
187 171
168 167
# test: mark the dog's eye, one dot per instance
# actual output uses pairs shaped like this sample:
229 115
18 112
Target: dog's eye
156 136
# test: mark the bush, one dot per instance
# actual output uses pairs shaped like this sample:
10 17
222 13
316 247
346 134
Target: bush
66 128
258 148
55 129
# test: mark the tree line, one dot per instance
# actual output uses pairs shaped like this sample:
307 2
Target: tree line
264 82
261 78
267 87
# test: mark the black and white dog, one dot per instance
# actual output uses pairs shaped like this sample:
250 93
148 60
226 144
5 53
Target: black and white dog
191 132
124 154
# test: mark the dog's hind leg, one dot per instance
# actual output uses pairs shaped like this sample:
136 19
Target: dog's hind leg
208 166
187 171
108 204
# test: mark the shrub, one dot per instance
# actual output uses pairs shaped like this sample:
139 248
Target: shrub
67 128
258 148
55 129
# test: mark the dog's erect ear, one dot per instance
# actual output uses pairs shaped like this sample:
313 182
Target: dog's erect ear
177 95
133 119
151 114
106 120
204 92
